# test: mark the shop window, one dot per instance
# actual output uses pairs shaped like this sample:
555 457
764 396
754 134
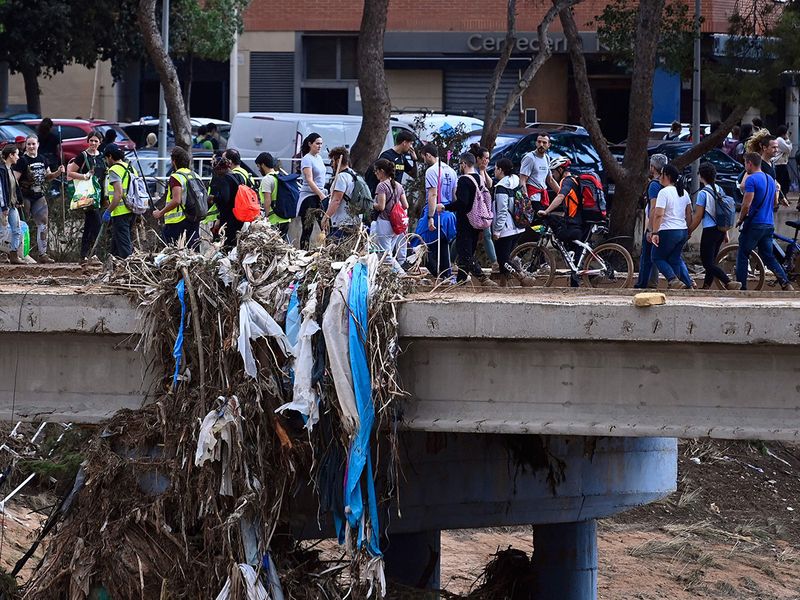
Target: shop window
330 57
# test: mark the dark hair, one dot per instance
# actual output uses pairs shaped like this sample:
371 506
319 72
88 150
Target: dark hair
114 152
708 172
745 132
180 157
232 154
735 132
506 166
385 165
404 135
781 130
45 126
339 154
676 126
266 159
109 136
757 122
202 130
671 172
753 158
220 164
477 150
306 146
94 134
8 150
211 127
468 158
431 149
764 141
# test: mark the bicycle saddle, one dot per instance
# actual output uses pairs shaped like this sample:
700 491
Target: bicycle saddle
795 224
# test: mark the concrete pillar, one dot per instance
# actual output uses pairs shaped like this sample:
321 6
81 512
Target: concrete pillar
565 560
413 559
792 110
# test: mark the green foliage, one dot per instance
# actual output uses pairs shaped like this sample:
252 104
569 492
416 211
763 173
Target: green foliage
616 30
205 29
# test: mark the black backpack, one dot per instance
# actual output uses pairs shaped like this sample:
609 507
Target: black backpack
195 206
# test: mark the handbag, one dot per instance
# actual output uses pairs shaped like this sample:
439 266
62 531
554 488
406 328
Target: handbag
86 194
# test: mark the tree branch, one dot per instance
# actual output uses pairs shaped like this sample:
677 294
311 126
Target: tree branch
588 111
710 141
500 67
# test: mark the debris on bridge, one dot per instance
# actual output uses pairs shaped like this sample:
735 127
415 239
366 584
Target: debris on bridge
273 368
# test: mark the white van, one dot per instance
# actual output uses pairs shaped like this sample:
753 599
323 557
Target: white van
281 134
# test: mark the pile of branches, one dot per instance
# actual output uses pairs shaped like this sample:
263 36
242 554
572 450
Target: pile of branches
205 491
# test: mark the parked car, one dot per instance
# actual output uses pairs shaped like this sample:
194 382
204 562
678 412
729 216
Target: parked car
571 141
281 134
138 130
728 169
659 130
11 130
73 134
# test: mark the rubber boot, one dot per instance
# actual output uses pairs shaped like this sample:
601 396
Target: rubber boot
14 259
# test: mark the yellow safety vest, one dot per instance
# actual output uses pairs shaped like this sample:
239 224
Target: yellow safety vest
272 217
176 214
123 170
248 181
213 210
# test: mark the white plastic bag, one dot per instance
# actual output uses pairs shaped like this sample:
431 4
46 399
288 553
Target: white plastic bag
256 322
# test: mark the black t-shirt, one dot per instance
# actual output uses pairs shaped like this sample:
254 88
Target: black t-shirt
87 163
48 147
768 168
223 190
402 164
33 175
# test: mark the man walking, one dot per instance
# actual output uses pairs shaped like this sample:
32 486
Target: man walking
535 175
175 221
267 164
757 221
119 216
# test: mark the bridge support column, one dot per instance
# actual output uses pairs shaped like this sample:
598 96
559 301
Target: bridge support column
565 560
413 559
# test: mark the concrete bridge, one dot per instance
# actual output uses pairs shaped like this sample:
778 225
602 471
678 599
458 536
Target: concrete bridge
547 407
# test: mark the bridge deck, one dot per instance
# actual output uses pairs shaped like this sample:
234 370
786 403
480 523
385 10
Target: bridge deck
574 362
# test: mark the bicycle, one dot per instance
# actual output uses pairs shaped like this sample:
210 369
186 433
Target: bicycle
606 265
788 257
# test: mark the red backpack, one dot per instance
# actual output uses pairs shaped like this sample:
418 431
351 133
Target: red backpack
591 196
398 216
246 207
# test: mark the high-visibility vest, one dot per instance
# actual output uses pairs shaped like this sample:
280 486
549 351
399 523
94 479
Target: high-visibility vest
248 180
124 171
176 215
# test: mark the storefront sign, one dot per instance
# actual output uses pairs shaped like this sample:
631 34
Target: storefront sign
456 42
480 42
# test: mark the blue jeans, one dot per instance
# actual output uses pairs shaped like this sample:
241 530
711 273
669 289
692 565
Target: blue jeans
648 274
667 255
757 236
16 231
488 245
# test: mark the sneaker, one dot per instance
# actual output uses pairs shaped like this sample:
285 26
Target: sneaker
787 287
14 258
28 260
487 282
733 285
676 284
44 259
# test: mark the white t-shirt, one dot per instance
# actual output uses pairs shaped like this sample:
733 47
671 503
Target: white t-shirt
536 168
267 186
344 183
449 179
317 166
674 208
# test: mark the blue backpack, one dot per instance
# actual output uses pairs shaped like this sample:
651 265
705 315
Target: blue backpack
724 208
286 195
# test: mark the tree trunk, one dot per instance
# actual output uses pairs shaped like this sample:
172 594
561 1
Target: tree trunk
491 125
30 76
630 177
375 102
179 118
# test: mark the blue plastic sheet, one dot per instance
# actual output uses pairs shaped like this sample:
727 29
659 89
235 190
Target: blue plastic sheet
360 462
177 350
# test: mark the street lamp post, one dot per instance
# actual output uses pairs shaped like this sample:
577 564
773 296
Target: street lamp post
162 102
696 95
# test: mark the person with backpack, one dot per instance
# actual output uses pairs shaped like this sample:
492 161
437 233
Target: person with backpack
401 155
568 225
708 205
757 222
117 214
504 231
469 190
437 228
391 222
176 222
482 156
223 188
312 191
342 216
671 218
201 142
268 190
85 166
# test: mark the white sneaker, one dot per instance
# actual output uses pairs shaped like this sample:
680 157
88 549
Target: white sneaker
28 260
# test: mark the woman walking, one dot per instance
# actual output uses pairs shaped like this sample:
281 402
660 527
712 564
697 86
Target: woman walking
712 237
504 232
482 157
671 218
387 195
10 197
312 191
84 167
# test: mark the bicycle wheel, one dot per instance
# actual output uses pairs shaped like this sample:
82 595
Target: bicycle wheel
612 266
726 260
536 261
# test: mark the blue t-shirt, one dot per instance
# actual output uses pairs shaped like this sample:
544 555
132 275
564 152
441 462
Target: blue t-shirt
652 192
706 199
762 187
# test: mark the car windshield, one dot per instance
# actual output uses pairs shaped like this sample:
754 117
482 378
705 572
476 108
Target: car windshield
585 154
12 131
121 135
722 162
